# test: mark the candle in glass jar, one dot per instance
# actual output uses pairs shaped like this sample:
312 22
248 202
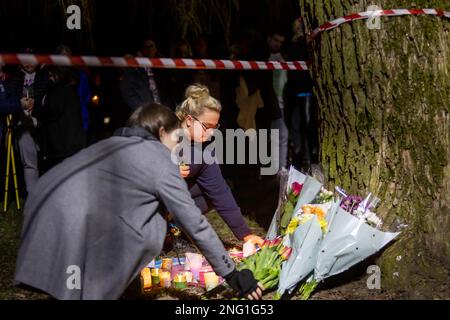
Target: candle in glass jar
180 281
211 280
164 279
195 263
155 276
189 276
146 278
167 264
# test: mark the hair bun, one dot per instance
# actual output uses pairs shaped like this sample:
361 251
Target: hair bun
197 91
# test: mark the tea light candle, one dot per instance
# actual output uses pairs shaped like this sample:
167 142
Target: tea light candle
236 253
146 278
203 270
189 276
180 281
249 249
195 261
167 264
164 279
211 280
155 276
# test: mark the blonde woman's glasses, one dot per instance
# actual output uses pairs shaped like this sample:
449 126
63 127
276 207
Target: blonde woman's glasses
206 128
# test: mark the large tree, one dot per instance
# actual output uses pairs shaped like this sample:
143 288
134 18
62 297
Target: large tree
384 99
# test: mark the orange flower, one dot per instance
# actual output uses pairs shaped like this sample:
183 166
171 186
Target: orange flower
307 208
319 212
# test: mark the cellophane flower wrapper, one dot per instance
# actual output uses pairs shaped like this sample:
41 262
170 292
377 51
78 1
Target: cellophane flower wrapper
305 243
348 241
286 181
310 190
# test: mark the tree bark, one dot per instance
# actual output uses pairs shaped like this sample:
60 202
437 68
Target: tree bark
384 99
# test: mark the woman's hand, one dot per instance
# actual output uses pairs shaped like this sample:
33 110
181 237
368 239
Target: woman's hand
257 294
254 239
184 170
244 283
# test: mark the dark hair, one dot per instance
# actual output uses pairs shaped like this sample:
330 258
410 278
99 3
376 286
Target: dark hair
29 50
61 48
64 75
152 117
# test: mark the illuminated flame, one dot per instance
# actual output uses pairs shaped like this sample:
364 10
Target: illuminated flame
95 100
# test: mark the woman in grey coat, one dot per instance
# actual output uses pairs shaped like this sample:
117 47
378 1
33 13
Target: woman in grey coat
94 221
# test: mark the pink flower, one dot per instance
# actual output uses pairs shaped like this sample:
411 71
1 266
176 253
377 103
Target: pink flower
286 253
282 250
265 243
296 188
275 242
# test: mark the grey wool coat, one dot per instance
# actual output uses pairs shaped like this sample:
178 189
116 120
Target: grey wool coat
100 212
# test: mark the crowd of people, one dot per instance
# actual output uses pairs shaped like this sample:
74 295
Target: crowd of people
276 99
133 169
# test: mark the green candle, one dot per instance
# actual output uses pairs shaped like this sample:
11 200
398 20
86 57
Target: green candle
180 281
155 277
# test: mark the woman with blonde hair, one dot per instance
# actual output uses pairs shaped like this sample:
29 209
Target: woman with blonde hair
199 114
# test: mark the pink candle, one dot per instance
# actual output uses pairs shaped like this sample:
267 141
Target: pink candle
203 271
195 263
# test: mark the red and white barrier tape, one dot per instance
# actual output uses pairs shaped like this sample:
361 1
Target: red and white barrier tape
93 61
370 14
167 63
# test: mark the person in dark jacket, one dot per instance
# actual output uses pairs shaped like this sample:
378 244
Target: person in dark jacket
8 103
30 83
200 114
94 221
83 88
61 132
143 85
301 106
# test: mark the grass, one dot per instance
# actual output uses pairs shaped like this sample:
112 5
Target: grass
225 233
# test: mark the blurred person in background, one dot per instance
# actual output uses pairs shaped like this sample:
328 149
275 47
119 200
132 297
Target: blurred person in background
83 89
61 132
144 85
29 83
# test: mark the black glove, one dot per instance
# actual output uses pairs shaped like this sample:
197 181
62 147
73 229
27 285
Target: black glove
243 282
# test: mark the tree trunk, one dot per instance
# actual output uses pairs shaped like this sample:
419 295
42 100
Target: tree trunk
384 99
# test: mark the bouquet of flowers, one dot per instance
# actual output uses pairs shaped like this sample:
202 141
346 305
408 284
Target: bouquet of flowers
324 196
354 237
307 213
266 263
362 208
305 233
288 207
295 182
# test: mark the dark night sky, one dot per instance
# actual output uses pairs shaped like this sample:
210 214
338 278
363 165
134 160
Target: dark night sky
120 25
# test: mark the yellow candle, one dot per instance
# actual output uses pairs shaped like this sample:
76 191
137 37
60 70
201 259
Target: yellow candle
180 277
189 276
164 279
146 278
167 264
211 280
